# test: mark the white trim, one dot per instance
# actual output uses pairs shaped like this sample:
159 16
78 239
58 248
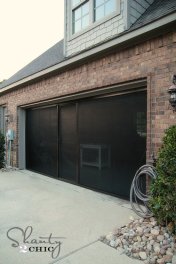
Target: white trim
22 139
127 13
2 119
105 46
65 27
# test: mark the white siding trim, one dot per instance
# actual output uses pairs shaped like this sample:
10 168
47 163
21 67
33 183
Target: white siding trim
22 138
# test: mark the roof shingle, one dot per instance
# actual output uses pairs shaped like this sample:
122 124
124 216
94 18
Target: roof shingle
158 9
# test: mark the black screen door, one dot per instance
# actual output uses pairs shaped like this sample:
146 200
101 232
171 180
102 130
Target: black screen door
41 140
112 134
68 155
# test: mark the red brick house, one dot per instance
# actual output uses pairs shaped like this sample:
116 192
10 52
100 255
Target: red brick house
94 107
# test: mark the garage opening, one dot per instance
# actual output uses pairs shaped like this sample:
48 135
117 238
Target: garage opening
98 143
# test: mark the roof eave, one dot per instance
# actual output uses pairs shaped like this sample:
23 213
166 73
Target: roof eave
122 40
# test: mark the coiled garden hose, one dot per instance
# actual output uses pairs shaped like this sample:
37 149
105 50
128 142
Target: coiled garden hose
138 198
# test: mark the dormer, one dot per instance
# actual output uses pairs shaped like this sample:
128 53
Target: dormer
90 22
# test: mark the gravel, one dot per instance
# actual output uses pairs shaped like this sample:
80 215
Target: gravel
145 240
8 168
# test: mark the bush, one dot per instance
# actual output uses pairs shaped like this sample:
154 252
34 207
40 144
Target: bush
2 150
163 189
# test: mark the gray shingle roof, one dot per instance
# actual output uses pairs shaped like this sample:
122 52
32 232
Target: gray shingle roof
54 55
158 9
51 57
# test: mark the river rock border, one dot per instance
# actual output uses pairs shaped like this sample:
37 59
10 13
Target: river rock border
8 169
145 240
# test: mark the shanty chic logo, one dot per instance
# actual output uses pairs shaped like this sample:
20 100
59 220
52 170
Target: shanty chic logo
25 242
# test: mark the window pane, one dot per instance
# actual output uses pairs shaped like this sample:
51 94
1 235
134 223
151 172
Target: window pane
77 14
99 13
110 6
77 26
85 9
81 17
75 2
85 21
98 2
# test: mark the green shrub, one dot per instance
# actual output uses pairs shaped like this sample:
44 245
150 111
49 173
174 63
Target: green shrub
163 189
2 150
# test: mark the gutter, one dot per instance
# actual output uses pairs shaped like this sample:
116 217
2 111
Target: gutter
116 42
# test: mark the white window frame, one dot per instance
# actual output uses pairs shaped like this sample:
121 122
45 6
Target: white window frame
81 3
92 22
94 8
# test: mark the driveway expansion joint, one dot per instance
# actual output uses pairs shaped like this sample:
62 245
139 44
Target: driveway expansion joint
75 251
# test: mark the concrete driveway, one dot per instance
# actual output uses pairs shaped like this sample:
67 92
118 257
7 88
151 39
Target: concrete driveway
43 217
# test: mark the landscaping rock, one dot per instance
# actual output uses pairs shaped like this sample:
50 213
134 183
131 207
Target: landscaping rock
145 240
155 232
142 255
160 238
8 169
174 259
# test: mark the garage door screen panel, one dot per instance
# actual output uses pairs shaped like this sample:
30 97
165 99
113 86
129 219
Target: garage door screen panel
68 143
41 140
112 133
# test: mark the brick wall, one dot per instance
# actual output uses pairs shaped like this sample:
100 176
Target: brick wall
154 60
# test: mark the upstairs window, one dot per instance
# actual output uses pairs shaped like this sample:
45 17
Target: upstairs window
75 2
103 8
86 12
80 15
